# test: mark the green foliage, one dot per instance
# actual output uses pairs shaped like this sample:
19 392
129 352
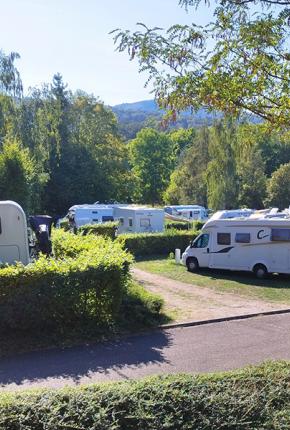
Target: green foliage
107 229
187 182
140 308
152 158
181 225
18 176
84 283
247 399
221 174
10 82
279 187
237 62
143 244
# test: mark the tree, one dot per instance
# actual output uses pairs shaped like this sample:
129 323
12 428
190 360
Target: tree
252 180
239 62
10 82
152 159
18 178
221 174
187 182
278 190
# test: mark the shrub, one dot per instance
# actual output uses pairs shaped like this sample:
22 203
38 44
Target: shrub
144 244
87 283
107 229
247 399
64 224
140 308
179 225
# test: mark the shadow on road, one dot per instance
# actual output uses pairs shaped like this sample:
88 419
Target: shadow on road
77 362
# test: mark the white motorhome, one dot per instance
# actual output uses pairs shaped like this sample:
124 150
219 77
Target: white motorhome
260 245
134 219
232 213
186 212
79 215
13 234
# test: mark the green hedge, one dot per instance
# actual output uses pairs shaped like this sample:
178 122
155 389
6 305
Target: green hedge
144 244
84 282
107 229
249 399
181 225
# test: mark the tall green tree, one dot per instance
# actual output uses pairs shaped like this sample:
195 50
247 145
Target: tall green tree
221 173
152 158
18 178
188 181
278 190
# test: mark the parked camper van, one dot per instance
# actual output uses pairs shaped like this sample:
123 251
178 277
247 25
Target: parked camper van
13 234
139 219
186 213
79 215
260 245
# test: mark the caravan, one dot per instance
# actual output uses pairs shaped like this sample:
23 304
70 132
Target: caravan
13 234
186 213
79 215
134 219
260 245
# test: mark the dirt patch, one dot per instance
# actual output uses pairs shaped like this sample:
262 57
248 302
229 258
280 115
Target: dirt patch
186 302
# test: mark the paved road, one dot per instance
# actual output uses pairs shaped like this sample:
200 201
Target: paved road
213 347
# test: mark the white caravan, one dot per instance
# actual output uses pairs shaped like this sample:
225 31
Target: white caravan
186 213
79 215
260 245
13 234
134 219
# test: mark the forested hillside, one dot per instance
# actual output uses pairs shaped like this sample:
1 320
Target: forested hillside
59 148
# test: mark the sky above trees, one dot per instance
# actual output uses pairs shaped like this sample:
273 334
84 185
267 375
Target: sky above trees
72 37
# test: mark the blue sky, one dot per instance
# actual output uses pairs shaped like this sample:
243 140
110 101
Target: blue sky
71 37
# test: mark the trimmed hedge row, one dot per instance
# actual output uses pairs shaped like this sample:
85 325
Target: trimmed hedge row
143 244
179 225
84 282
248 399
107 229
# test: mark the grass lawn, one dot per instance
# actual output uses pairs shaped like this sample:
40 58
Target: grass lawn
274 289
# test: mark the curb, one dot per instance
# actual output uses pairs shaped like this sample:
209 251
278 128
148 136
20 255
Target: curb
223 319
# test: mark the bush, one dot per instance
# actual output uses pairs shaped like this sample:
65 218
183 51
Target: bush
179 225
108 229
143 244
84 283
140 308
248 399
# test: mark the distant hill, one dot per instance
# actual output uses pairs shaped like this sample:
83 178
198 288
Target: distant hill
144 106
133 117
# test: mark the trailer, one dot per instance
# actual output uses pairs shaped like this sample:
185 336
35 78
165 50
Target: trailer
139 219
13 234
260 245
79 215
186 213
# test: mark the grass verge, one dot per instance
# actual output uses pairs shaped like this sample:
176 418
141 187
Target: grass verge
274 289
247 399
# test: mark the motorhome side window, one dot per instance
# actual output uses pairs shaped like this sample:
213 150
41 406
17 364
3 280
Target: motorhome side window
202 241
121 221
224 238
243 238
280 234
130 222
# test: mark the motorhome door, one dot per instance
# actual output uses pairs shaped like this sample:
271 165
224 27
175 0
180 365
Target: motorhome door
201 249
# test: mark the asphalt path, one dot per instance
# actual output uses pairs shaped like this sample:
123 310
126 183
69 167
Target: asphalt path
204 348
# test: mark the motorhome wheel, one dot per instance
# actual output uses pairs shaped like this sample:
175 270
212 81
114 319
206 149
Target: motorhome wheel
260 271
192 264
